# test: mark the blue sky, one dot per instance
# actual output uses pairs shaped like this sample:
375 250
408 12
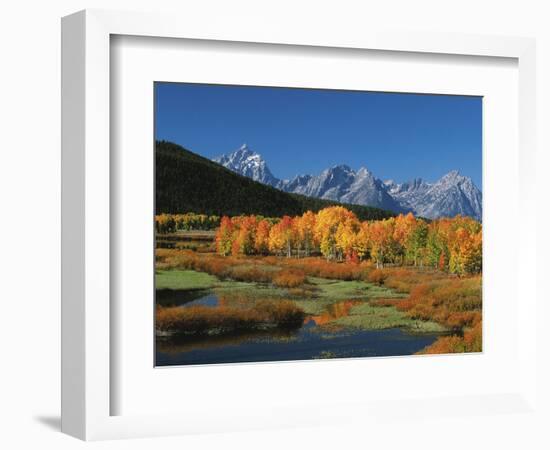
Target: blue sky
299 131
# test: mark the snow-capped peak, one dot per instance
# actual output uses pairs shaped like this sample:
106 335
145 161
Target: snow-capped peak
453 175
452 194
246 162
364 172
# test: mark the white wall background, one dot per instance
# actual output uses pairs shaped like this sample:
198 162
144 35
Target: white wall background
30 237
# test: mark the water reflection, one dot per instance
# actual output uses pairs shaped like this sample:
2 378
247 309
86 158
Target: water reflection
172 297
179 344
310 341
303 345
333 311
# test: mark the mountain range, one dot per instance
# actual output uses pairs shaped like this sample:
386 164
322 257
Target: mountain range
452 194
187 182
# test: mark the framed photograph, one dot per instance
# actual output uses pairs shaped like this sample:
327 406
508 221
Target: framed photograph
287 210
251 266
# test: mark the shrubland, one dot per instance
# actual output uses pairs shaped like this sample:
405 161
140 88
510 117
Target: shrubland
453 302
228 319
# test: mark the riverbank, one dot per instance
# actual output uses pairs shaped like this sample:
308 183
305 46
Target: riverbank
318 297
337 297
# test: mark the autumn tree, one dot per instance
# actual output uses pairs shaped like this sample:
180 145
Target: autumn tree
404 226
282 236
245 240
474 259
165 223
224 236
362 241
437 251
261 242
465 251
449 244
192 221
328 221
416 242
382 242
305 232
346 235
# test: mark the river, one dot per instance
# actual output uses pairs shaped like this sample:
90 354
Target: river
311 341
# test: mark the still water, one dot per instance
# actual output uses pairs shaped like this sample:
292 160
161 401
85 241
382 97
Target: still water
311 341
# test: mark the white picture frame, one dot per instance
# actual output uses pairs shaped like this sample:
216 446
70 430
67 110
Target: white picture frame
87 325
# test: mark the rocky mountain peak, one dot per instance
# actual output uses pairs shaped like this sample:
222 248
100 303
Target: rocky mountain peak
245 161
452 194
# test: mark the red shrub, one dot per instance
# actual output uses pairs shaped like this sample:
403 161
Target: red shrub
289 278
378 276
223 319
454 303
470 342
318 267
446 344
250 274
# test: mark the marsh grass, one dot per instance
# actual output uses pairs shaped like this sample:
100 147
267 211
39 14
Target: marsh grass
321 268
227 319
289 278
469 342
339 290
414 298
252 270
366 316
184 280
192 280
454 303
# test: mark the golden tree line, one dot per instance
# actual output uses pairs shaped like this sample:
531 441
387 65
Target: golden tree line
170 223
450 244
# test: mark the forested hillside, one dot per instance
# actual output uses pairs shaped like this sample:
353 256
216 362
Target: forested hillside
187 182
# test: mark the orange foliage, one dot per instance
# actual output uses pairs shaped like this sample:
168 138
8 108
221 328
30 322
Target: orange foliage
470 342
204 319
378 276
224 236
334 230
289 278
305 228
381 239
453 245
282 236
453 303
334 311
261 242
320 268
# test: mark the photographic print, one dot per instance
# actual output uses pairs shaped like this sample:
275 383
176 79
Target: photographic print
300 224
